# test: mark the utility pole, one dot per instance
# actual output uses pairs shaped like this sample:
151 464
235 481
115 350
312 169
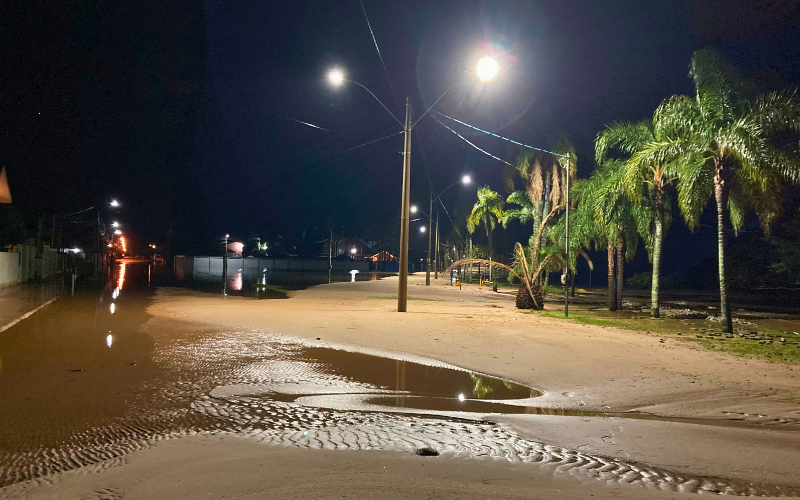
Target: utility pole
436 251
428 257
330 256
402 286
566 244
225 268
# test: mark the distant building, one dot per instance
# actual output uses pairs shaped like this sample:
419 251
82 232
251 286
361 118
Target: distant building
354 248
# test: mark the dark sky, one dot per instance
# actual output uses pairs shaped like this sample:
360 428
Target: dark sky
186 112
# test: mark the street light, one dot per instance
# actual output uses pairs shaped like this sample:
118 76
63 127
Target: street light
465 179
422 229
413 209
115 224
114 203
487 69
117 232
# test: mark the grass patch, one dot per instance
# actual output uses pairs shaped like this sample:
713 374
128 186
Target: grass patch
394 297
705 334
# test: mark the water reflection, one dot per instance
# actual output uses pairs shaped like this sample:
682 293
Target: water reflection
112 308
109 340
121 276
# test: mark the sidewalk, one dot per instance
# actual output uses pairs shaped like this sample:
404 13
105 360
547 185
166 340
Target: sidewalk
20 301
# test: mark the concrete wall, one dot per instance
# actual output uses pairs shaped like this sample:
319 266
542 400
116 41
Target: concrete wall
205 267
9 269
25 266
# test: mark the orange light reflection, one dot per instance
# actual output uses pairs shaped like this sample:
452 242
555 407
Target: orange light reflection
121 278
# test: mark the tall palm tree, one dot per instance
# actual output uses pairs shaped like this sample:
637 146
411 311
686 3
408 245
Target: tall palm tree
720 141
620 220
487 211
649 184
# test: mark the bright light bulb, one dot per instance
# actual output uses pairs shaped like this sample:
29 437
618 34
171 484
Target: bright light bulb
117 232
336 76
114 203
461 397
487 68
422 229
115 224
413 209
466 179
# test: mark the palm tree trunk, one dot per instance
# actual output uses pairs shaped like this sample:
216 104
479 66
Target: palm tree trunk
620 270
612 298
721 196
658 239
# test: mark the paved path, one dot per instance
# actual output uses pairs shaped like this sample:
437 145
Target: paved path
20 301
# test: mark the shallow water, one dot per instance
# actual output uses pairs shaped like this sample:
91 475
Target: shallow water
84 383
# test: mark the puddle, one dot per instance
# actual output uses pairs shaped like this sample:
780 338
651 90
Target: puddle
84 384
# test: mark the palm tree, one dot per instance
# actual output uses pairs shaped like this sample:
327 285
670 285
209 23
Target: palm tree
721 144
620 220
487 211
648 184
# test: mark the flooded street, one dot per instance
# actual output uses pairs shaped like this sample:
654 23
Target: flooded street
93 377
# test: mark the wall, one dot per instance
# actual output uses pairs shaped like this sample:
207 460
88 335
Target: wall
9 269
205 267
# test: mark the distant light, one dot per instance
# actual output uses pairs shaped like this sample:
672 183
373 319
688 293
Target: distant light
461 397
112 308
227 236
422 229
114 203
466 179
76 250
413 209
353 275
110 245
487 68
353 250
117 231
336 76
109 340
115 224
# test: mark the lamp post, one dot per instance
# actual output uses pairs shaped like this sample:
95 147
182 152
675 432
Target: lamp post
225 267
487 69
465 179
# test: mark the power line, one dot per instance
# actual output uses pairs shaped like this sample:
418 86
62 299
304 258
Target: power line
379 53
493 135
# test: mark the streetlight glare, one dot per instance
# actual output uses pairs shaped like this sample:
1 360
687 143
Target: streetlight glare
115 224
487 68
336 76
117 232
422 229
413 209
114 203
466 179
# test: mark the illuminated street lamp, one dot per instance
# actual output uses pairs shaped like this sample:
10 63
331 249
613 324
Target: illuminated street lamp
114 203
413 209
117 232
422 229
487 69
115 224
465 180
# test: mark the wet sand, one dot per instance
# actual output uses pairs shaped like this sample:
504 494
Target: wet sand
194 344
576 366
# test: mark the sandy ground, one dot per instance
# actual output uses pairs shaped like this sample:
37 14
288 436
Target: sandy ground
576 366
206 467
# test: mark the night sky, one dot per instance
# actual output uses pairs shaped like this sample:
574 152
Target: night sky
187 113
